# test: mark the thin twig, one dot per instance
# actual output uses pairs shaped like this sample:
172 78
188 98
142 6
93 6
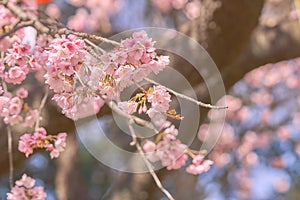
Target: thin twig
148 164
88 36
92 52
43 102
9 150
95 46
136 120
25 16
10 157
15 28
205 105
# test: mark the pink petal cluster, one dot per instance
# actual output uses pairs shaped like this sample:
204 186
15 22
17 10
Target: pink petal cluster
24 189
22 93
130 62
199 165
14 111
64 58
170 151
79 104
18 63
160 99
7 18
10 109
39 139
63 69
128 106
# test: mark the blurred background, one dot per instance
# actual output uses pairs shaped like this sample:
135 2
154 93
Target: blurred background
255 44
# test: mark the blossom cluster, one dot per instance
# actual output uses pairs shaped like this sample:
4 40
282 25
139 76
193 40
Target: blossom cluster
14 110
64 58
133 60
7 19
167 148
25 190
79 81
17 63
64 61
172 153
39 139
199 165
157 96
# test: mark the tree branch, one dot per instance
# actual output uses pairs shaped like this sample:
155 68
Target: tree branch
32 20
25 16
10 157
43 102
205 105
148 164
15 28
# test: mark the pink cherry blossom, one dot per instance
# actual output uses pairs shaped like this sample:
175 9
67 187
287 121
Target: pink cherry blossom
26 181
15 75
149 148
159 99
25 144
59 145
199 165
40 139
129 107
22 93
13 119
24 189
15 106
3 104
140 57
169 150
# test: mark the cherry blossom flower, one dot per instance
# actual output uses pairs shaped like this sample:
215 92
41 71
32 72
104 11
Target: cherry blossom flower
15 75
139 54
169 150
24 189
40 139
129 107
66 55
199 165
22 93
159 99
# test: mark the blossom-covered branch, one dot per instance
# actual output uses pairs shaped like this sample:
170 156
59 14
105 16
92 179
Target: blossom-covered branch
81 81
148 164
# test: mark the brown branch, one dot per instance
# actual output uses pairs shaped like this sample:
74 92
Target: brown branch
136 120
34 21
268 45
9 148
98 48
25 16
14 29
10 157
205 105
87 36
43 102
148 164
